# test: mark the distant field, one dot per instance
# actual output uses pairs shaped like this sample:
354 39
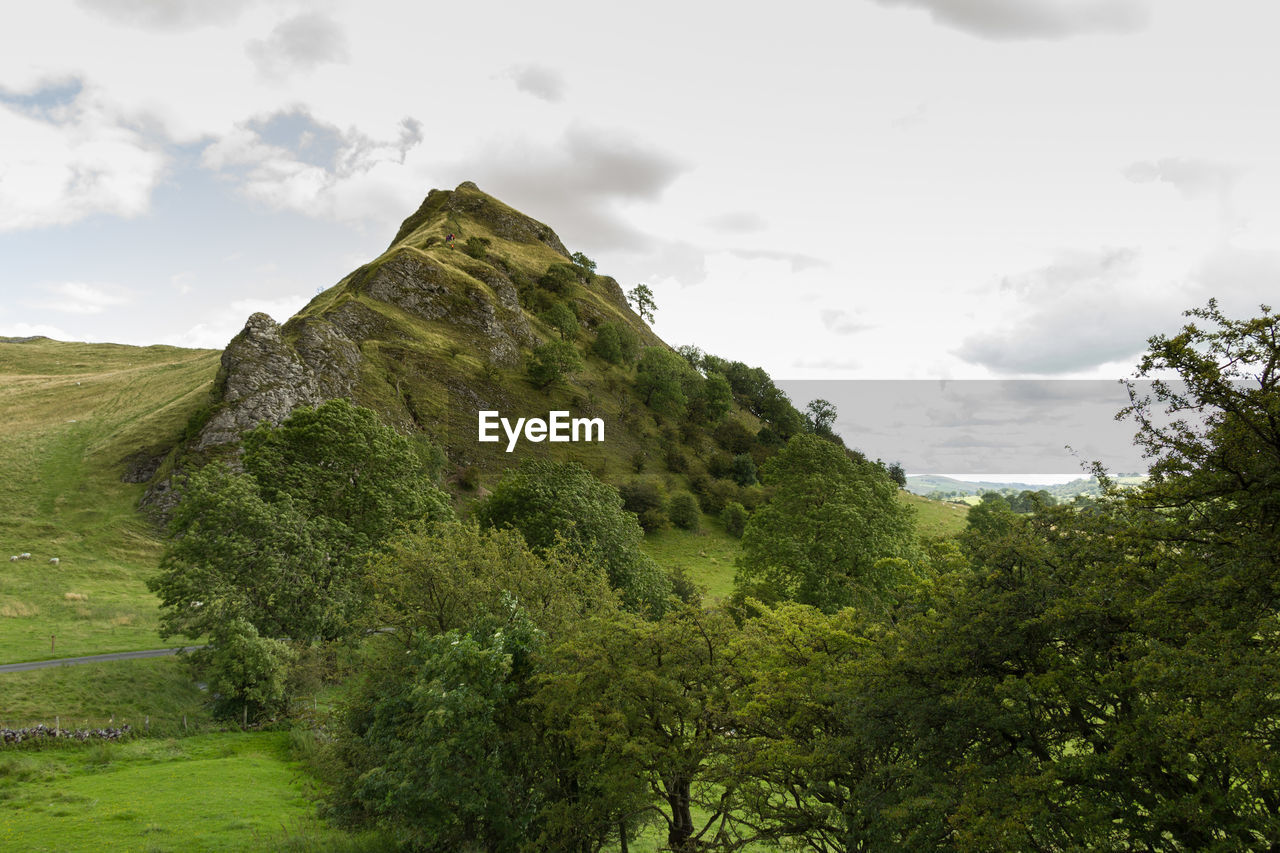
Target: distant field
70 414
935 518
229 791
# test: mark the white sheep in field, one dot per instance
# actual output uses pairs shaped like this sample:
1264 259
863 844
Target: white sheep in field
13 559
24 556
54 560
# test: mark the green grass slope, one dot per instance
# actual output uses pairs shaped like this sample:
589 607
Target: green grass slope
241 792
73 418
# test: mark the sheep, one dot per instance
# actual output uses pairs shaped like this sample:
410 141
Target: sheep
25 556
13 559
54 560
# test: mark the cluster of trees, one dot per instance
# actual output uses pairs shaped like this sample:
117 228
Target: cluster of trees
523 702
1081 677
270 560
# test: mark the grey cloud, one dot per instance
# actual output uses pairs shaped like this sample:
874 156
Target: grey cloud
1071 268
842 322
578 184
1235 276
299 44
538 80
1082 316
737 222
798 261
1007 20
167 14
1194 178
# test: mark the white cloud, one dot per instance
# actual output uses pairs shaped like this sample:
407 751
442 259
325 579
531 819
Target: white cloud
33 330
65 162
361 179
76 297
225 323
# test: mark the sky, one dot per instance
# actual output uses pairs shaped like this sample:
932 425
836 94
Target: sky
852 190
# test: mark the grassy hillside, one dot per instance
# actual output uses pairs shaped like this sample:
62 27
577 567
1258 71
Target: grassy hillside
74 418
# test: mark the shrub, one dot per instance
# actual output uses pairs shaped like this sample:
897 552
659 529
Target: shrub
640 495
477 247
744 469
559 278
683 511
551 362
734 515
653 519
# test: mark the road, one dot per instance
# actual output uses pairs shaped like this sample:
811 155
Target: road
43 664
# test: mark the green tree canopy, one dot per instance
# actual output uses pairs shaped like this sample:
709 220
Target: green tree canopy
279 544
831 533
549 501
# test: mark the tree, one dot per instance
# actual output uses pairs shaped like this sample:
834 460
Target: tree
588 266
820 417
561 318
247 673
341 463
553 361
454 575
898 474
440 750
714 399
646 705
641 297
548 501
832 534
274 553
660 381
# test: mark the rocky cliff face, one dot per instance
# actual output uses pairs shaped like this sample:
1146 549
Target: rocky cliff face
264 378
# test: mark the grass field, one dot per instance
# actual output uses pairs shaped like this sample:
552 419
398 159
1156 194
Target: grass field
707 555
131 691
70 415
230 791
935 519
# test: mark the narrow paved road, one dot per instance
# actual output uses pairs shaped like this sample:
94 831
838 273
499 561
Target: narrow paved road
43 664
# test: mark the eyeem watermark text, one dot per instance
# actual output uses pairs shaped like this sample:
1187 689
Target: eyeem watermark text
558 426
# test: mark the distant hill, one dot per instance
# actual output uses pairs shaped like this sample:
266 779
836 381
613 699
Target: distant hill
927 484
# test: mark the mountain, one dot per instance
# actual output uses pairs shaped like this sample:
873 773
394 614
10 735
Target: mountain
432 332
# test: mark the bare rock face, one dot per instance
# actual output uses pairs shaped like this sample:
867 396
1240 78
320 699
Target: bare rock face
263 378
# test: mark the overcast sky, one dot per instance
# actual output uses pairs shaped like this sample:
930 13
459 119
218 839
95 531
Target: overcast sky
861 189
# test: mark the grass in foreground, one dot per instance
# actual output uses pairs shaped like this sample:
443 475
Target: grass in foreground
204 793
